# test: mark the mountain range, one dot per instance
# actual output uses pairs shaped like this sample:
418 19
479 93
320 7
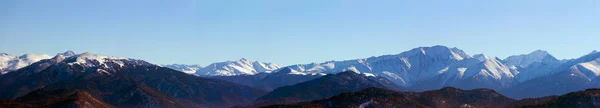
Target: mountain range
431 68
125 82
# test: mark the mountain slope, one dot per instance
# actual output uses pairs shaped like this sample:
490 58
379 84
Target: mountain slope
326 86
382 98
110 77
61 98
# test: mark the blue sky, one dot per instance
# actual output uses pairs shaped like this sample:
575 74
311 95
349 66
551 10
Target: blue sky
295 31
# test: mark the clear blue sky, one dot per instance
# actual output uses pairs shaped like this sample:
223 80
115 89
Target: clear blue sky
295 31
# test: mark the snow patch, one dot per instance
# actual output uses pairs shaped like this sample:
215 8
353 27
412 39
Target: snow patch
369 74
363 105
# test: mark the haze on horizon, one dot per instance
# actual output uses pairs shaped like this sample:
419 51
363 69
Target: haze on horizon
295 32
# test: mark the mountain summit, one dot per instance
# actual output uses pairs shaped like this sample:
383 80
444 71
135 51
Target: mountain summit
404 69
525 60
67 53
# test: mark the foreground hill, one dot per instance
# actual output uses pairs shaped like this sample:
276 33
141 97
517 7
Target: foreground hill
326 86
589 98
382 98
61 98
448 97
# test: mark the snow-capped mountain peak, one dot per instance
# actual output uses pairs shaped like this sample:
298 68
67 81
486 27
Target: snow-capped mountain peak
491 67
240 67
525 60
539 52
481 57
89 59
97 63
189 69
67 53
439 51
243 60
265 67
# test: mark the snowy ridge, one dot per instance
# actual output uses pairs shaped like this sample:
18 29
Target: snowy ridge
89 59
10 63
486 71
590 69
228 68
489 67
189 69
240 67
88 62
525 60
589 65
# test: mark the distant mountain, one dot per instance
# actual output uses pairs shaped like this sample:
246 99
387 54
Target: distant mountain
479 71
533 65
574 75
382 98
228 68
10 63
124 82
589 98
426 68
189 69
269 81
60 98
326 86
404 69
525 60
